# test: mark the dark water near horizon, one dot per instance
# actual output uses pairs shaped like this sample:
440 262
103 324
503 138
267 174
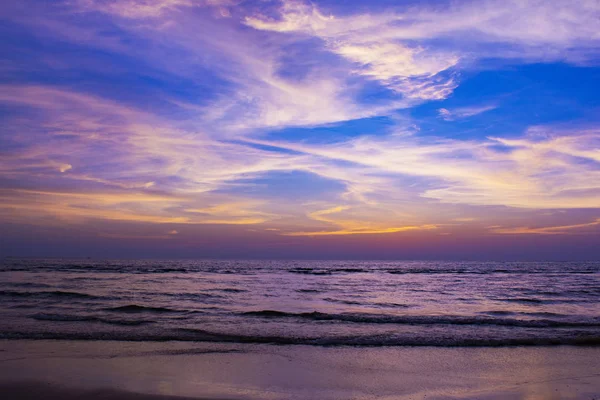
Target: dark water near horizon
364 303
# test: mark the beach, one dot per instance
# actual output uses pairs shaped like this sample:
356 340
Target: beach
300 200
134 371
298 330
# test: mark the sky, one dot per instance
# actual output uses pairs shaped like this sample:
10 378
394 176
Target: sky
295 129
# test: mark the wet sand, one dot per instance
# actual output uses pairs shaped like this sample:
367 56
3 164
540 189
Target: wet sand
174 370
40 390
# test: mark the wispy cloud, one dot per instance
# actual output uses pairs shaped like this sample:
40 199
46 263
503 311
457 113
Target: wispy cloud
386 46
155 171
547 230
463 112
531 172
134 8
412 71
146 9
240 213
351 225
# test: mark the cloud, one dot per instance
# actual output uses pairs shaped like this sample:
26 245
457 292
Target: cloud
273 102
363 231
537 171
416 52
160 173
133 166
24 205
260 97
407 50
412 71
134 237
463 112
294 16
239 213
144 9
196 158
135 8
548 230
65 167
352 225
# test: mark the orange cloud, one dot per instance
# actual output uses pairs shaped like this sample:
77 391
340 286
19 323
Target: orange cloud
548 230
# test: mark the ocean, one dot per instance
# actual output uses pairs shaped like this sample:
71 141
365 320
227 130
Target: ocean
315 303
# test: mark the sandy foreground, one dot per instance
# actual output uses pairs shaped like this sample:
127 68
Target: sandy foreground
165 371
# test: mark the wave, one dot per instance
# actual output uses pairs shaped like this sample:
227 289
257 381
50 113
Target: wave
530 314
230 290
379 340
134 308
96 267
198 335
125 322
429 271
349 302
354 270
483 271
523 300
28 285
392 305
63 317
422 319
163 270
87 318
308 291
542 314
498 312
194 296
47 294
310 271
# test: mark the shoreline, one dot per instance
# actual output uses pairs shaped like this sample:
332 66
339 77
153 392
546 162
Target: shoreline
39 390
593 343
184 371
